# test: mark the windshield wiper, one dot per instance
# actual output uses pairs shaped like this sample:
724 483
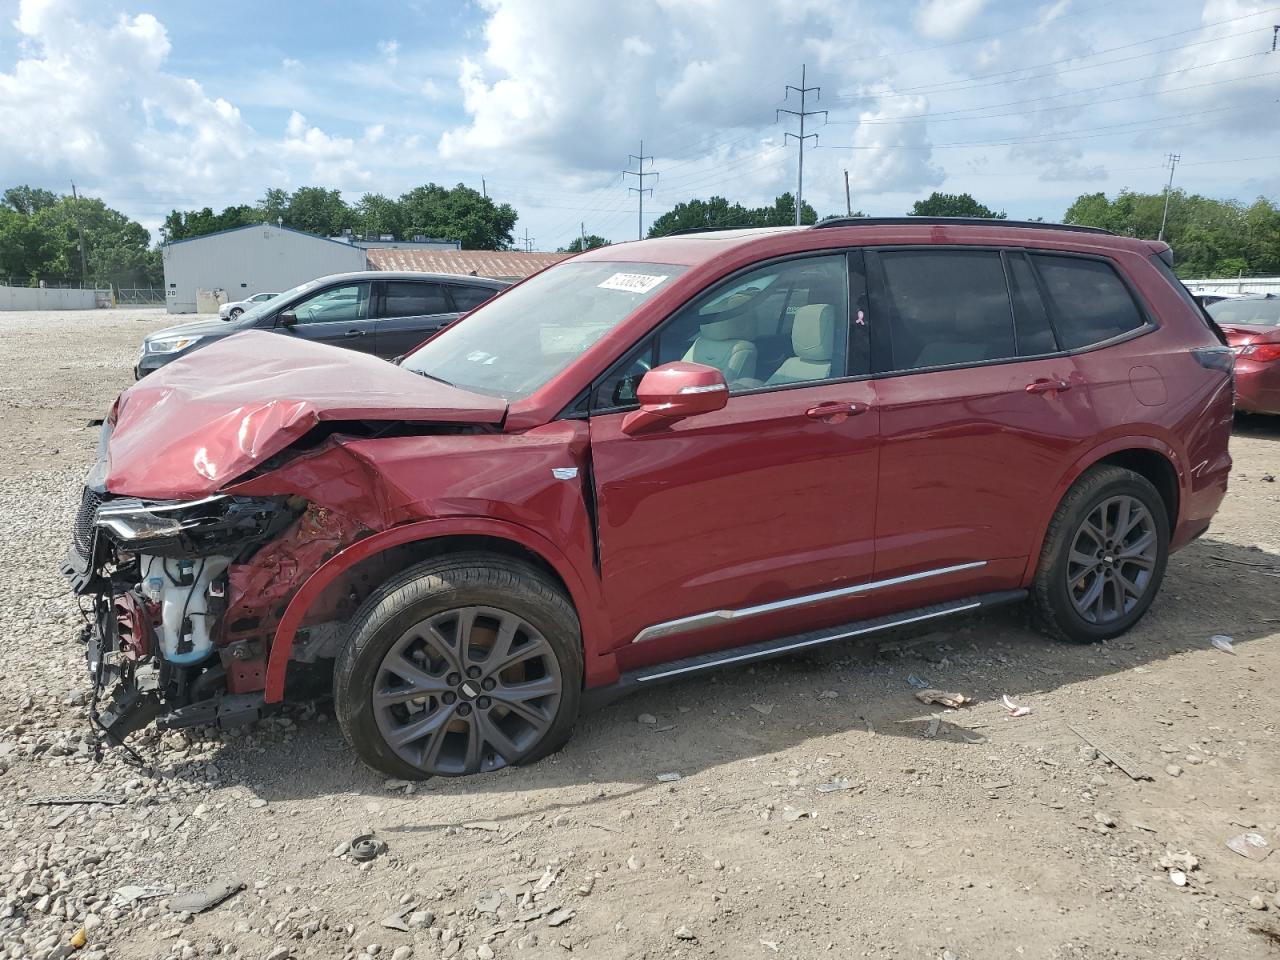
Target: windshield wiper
423 373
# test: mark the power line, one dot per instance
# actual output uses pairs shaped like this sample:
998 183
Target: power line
642 189
1173 159
800 138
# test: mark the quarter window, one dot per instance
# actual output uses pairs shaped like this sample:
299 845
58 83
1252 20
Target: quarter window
1035 335
947 307
1090 302
410 298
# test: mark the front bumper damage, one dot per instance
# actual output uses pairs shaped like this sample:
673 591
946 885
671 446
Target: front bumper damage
153 577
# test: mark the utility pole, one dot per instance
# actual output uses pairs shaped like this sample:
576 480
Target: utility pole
528 241
1172 161
484 189
642 189
801 113
848 204
1275 34
84 263
583 226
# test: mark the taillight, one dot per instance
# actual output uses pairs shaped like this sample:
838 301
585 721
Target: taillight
1260 352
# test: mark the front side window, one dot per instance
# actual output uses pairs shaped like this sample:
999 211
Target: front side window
1089 300
261 297
412 298
515 344
781 324
334 305
946 307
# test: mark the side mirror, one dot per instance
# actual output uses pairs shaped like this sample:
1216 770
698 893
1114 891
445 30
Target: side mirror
287 319
674 391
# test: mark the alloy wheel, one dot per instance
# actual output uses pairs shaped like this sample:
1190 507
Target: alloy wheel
1112 559
467 690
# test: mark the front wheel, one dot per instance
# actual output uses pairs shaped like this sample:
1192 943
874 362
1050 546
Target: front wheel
235 312
1103 558
462 664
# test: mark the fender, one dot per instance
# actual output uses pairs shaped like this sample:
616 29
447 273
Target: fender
585 594
1083 463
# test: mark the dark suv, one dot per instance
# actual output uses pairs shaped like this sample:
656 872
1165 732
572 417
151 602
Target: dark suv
375 311
648 461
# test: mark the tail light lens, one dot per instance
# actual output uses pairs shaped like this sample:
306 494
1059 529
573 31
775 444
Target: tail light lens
1260 352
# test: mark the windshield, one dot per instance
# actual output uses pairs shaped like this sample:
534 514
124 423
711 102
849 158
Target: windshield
266 306
1260 311
514 344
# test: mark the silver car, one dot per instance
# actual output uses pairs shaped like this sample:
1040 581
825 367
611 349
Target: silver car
229 311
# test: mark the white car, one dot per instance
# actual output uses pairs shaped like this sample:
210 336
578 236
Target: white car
229 311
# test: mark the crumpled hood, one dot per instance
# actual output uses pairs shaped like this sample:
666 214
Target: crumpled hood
200 422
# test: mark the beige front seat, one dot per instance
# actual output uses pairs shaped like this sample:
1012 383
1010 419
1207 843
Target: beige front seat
723 344
813 335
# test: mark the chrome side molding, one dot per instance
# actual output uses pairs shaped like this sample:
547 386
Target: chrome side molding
714 617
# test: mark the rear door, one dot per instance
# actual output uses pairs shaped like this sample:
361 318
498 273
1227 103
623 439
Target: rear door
337 315
980 414
408 312
756 520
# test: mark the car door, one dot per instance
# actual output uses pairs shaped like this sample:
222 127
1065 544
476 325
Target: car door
756 520
980 415
337 315
408 312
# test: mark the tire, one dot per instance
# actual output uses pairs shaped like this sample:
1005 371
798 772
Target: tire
405 639
235 313
1064 585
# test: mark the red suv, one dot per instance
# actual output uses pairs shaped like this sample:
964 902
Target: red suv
646 462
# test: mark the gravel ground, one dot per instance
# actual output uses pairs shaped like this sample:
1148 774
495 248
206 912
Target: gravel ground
820 810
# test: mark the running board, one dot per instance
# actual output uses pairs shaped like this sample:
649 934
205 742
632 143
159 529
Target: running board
782 646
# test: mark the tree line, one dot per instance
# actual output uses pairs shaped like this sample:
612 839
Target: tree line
458 213
40 239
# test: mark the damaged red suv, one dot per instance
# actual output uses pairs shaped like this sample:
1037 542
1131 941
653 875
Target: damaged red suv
643 463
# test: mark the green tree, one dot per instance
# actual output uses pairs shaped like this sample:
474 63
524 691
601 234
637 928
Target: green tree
179 225
460 213
578 245
952 205
28 200
718 213
273 205
25 248
317 210
376 213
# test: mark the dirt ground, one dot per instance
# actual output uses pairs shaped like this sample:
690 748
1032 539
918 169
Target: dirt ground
978 836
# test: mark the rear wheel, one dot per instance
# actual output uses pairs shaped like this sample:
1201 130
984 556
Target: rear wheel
1103 558
461 665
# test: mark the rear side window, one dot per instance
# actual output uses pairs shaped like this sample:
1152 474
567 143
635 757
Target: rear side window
468 298
409 298
945 307
1089 300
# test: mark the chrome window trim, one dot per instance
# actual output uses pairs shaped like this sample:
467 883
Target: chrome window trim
713 617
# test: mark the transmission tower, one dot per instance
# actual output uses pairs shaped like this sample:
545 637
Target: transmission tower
802 137
641 190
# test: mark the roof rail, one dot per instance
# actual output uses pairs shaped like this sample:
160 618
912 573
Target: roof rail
688 230
953 222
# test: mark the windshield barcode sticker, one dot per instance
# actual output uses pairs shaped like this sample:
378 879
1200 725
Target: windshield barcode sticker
632 282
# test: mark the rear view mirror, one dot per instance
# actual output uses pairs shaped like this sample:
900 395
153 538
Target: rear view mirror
288 318
674 391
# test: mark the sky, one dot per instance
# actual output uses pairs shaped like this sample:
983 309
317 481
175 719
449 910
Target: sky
1026 104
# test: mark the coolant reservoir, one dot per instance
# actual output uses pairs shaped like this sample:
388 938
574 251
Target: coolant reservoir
178 603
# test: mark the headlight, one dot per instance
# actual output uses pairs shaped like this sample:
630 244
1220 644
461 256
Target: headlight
177 528
170 344
133 520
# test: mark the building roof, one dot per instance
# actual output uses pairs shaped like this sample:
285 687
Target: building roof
501 264
256 226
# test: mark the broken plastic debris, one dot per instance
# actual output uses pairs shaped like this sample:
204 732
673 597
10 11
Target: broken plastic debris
791 814
943 698
1178 877
366 847
668 777
1223 643
918 682
131 892
79 939
1251 845
1013 708
762 708
60 800
198 901
832 786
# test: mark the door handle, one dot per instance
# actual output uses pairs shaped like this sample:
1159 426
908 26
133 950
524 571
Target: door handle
836 411
1048 386
354 333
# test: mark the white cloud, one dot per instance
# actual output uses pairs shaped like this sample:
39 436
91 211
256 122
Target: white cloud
946 19
889 156
390 50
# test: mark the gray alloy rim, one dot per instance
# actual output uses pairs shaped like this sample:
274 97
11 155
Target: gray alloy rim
1112 559
468 690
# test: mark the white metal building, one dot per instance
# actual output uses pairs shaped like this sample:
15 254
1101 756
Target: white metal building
243 261
1235 285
